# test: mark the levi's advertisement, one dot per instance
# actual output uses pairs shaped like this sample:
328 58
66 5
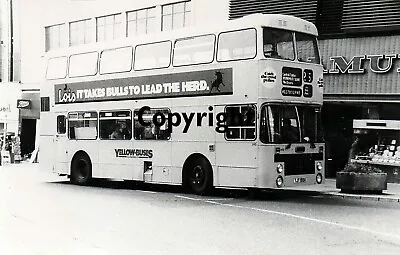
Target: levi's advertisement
199 83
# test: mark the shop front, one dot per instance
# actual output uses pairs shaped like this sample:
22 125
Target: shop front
9 116
361 81
29 106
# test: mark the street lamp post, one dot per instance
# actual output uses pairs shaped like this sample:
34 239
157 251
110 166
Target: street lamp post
4 133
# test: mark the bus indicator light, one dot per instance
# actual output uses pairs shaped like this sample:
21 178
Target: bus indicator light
279 168
318 178
319 166
279 181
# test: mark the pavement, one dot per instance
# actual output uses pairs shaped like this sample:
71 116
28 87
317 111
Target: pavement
392 194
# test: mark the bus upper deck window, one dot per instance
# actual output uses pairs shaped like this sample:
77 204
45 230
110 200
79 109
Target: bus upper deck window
307 49
278 43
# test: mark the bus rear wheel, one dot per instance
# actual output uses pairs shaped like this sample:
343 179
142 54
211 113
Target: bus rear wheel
81 169
199 176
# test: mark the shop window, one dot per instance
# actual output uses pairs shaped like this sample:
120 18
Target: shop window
152 131
115 125
44 104
61 124
82 125
241 122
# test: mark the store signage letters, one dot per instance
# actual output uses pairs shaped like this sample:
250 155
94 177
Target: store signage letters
5 108
356 65
24 104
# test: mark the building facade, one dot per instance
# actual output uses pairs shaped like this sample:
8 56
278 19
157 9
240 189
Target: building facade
16 118
43 25
359 45
360 48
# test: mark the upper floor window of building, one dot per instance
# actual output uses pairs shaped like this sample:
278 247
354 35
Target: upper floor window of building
54 36
141 22
108 27
80 32
175 16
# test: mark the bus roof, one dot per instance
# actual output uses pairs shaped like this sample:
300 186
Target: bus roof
254 20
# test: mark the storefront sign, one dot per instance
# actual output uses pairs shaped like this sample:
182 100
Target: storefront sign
24 104
360 64
5 108
201 83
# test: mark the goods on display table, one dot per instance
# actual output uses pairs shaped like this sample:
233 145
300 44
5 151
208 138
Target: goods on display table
377 142
17 149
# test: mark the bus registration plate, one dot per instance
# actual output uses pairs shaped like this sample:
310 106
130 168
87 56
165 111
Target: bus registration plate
299 180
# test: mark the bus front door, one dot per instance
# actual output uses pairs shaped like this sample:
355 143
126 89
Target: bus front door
60 146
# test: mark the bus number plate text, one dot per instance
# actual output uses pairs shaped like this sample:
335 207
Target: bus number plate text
299 180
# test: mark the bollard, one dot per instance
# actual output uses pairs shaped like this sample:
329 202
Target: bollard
5 157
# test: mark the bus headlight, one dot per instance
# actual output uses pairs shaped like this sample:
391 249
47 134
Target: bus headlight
279 168
279 181
318 178
319 166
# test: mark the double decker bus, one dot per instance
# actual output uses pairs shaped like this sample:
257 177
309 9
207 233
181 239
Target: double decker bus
235 105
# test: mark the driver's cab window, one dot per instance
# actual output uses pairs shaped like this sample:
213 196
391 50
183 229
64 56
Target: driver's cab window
288 125
279 124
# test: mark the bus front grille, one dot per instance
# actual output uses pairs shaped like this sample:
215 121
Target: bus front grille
298 164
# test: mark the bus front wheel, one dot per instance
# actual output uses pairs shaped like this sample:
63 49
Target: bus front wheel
81 169
199 176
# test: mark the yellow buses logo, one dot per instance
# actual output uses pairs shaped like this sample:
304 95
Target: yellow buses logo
133 153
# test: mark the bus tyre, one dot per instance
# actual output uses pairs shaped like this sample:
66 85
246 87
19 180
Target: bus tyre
199 176
81 169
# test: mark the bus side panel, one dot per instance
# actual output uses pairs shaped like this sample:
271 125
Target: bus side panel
196 138
114 159
182 150
160 158
46 152
237 176
245 84
236 160
237 163
90 147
